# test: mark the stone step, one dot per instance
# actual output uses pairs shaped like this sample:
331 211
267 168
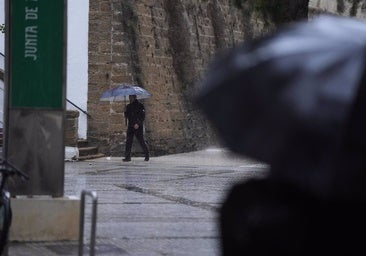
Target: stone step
87 157
85 151
82 143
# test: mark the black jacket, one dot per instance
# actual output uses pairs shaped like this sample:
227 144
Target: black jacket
135 113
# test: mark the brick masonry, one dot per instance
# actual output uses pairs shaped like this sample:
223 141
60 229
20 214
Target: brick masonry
164 46
71 128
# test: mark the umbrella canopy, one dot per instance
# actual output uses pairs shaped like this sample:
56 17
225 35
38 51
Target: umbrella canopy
121 93
288 99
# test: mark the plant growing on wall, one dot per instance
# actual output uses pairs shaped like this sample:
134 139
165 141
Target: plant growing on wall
277 12
355 5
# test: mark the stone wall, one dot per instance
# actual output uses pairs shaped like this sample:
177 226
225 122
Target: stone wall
164 46
71 128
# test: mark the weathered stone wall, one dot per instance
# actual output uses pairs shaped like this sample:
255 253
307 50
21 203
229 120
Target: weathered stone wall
71 128
164 46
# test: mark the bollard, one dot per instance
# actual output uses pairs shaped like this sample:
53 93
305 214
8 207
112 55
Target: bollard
94 197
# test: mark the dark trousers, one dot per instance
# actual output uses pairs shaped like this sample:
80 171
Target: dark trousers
139 133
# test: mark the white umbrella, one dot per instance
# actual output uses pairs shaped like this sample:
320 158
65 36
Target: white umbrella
121 93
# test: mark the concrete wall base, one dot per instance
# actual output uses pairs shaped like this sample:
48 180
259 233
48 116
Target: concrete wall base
45 219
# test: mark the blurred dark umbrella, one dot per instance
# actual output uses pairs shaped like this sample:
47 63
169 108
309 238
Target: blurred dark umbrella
287 99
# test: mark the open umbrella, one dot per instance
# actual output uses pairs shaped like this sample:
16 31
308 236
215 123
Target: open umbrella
296 100
288 99
121 93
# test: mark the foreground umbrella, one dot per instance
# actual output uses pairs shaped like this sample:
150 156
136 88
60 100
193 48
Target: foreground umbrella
121 93
295 100
287 99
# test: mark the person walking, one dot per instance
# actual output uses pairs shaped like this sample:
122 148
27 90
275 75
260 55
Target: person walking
135 115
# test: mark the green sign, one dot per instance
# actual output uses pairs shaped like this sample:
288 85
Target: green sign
36 53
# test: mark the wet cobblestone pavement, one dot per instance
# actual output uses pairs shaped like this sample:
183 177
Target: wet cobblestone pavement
167 206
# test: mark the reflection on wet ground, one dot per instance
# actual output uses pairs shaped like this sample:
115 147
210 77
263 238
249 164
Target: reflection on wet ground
167 206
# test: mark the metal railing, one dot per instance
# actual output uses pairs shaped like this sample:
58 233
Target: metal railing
94 197
76 106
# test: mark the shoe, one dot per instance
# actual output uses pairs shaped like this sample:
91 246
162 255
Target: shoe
127 159
147 158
